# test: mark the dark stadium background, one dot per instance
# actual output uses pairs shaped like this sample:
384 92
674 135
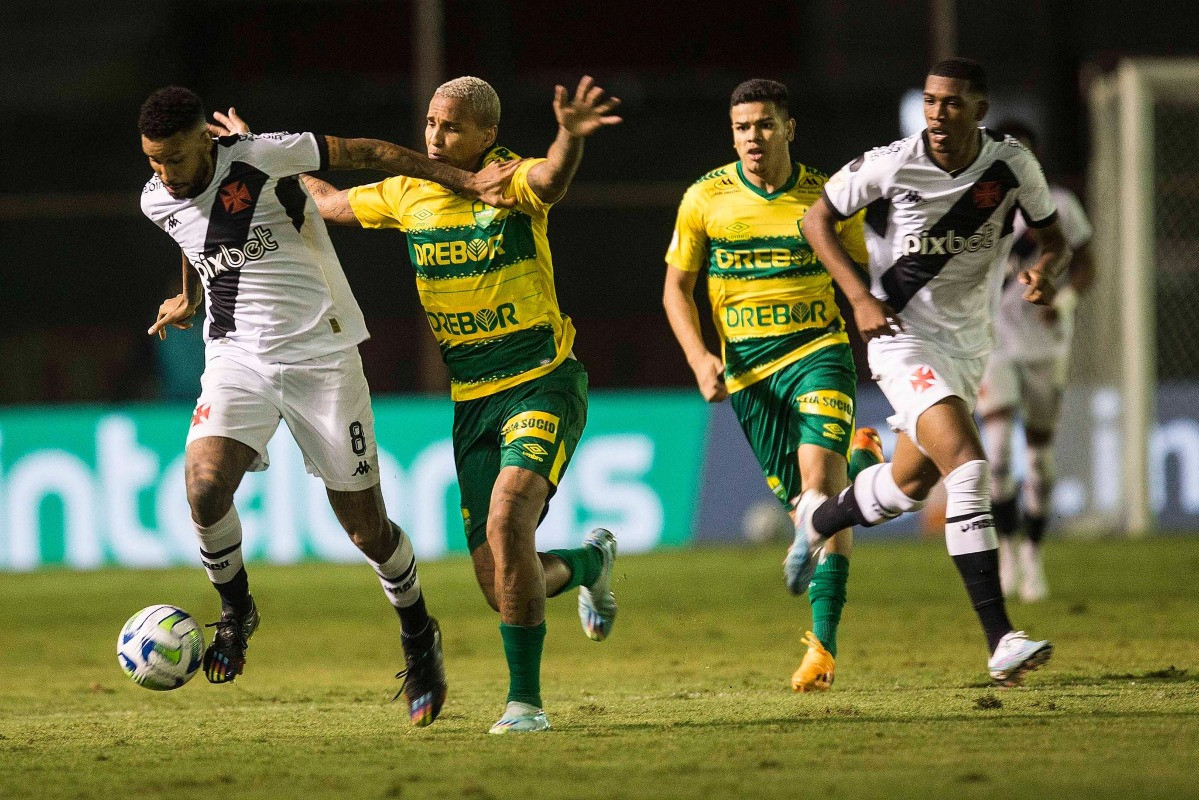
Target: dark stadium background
83 272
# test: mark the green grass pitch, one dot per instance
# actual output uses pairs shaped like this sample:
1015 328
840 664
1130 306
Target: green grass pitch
689 698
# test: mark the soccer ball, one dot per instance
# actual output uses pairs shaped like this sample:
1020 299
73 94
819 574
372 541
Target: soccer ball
160 647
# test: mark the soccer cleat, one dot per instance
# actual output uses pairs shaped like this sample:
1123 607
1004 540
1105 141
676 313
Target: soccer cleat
597 605
1033 586
807 547
1009 566
424 685
815 672
225 658
1015 655
521 718
867 439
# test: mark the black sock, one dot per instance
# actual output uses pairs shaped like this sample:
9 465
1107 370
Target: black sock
235 593
414 622
1007 515
980 573
838 513
1034 528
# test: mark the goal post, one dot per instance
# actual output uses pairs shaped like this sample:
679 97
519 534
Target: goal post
1144 192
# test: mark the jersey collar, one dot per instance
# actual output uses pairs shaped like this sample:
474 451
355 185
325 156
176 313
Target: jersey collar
928 152
786 187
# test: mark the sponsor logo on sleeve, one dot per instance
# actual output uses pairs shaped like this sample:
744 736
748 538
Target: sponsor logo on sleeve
540 424
828 403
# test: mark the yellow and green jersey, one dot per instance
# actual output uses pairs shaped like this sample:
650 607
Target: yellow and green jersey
484 276
772 299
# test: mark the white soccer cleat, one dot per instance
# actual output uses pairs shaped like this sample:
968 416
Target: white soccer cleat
521 718
1009 566
1033 586
1015 655
807 547
597 604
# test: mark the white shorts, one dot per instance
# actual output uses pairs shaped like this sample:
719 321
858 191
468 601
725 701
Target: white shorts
1034 387
915 375
324 401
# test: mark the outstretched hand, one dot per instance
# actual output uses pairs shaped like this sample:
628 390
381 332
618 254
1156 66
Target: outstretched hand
490 183
588 111
228 124
176 312
875 318
1040 289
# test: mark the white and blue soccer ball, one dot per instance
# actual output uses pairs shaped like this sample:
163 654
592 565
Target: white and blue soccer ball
160 647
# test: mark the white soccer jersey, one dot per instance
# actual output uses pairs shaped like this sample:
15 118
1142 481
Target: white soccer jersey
936 238
1021 330
272 281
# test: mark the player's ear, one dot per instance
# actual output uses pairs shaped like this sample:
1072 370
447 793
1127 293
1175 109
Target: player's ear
493 133
790 129
983 106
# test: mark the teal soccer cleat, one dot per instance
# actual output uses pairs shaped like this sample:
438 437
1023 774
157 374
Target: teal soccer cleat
597 605
805 551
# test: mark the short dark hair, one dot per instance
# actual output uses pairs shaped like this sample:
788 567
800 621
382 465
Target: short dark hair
963 69
168 111
1018 129
760 90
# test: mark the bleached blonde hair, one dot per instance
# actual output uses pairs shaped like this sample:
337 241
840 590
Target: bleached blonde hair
480 99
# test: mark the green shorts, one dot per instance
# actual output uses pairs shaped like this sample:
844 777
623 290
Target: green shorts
808 402
535 425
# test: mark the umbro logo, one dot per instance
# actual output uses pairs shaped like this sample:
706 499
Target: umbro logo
910 197
363 468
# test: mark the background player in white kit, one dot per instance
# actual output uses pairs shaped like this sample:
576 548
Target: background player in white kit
282 335
939 207
1026 374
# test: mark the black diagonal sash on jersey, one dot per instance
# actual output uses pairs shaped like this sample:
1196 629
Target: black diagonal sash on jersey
229 226
910 273
293 199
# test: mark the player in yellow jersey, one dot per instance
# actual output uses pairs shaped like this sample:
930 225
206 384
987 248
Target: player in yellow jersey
786 361
486 280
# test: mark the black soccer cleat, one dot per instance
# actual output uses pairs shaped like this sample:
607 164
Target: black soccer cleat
225 658
424 685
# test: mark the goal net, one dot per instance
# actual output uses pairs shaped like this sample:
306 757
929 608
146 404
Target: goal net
1134 401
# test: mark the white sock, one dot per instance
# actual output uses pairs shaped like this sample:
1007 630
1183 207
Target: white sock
398 575
969 526
879 497
220 547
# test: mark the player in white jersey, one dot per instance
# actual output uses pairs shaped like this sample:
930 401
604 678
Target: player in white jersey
939 209
282 335
1026 373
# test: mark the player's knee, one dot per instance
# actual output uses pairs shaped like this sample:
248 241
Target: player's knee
210 496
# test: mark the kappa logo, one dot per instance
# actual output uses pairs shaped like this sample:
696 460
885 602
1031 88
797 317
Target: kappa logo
201 414
172 223
910 197
922 379
987 194
236 197
363 468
